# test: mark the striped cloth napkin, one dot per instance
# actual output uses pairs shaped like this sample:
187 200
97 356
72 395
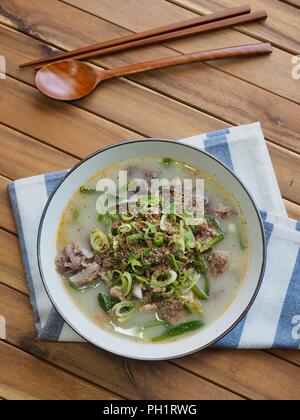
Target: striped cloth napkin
274 319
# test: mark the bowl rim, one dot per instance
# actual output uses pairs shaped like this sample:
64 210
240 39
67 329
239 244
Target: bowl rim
144 140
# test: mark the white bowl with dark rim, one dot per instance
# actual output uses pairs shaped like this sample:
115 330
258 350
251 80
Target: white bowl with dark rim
117 344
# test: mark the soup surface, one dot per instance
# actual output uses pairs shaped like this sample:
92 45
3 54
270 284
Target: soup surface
152 272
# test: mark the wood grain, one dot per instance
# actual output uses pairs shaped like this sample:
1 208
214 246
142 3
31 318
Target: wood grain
11 267
131 379
252 372
219 366
19 152
282 32
286 163
227 97
6 220
24 377
281 81
295 3
57 122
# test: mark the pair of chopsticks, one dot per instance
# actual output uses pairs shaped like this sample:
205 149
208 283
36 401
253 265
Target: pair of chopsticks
179 30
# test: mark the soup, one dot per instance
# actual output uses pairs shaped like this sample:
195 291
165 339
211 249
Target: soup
164 261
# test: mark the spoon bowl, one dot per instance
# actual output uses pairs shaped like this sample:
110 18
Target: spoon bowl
67 80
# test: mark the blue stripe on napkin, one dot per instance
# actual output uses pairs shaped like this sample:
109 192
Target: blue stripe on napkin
290 316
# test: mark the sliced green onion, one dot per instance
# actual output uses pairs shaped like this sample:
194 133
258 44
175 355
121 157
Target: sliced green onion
158 239
126 280
115 277
164 223
125 228
163 279
135 237
137 266
141 279
189 239
179 330
125 310
200 264
174 262
188 280
127 218
99 241
150 232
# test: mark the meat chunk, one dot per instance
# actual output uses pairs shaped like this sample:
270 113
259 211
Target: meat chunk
73 259
205 233
116 292
217 262
224 211
87 275
171 309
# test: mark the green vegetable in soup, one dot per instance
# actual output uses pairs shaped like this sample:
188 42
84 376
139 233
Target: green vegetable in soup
75 215
167 161
106 302
163 279
200 264
155 323
136 266
126 280
158 240
179 330
99 241
199 293
207 286
125 310
188 280
194 308
215 241
84 190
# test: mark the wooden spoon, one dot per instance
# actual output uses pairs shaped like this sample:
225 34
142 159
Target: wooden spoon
71 80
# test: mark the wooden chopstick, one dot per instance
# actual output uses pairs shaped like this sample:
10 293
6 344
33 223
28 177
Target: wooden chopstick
201 20
221 24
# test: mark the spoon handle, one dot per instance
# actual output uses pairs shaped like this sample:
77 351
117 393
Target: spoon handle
222 53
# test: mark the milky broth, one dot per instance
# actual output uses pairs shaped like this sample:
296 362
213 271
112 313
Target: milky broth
80 217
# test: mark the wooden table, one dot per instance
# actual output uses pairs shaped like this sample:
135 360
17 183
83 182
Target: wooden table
40 135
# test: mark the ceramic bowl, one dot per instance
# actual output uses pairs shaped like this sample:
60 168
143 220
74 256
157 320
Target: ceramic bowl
115 343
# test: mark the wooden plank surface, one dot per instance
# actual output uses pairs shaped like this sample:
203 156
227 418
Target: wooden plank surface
191 122
24 377
118 12
283 32
39 135
295 3
131 379
244 102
